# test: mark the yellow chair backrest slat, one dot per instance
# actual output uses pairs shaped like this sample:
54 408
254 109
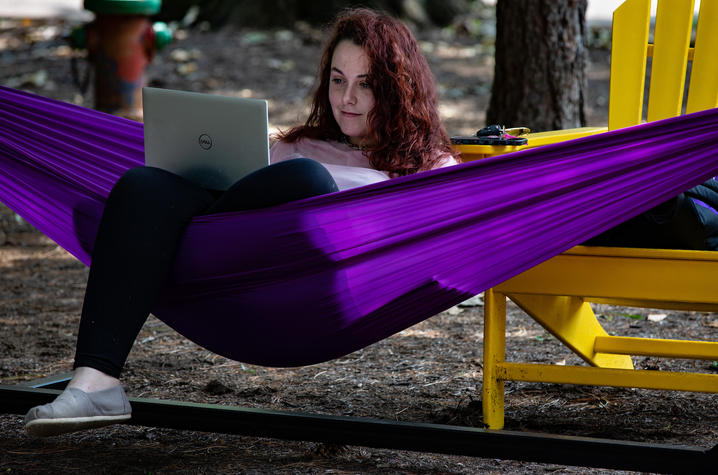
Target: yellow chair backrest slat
671 40
631 23
670 52
703 91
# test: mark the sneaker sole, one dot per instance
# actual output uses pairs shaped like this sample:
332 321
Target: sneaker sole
49 427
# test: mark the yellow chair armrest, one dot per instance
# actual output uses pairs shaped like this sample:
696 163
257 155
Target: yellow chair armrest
537 139
555 136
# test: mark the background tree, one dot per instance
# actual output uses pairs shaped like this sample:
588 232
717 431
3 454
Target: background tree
539 74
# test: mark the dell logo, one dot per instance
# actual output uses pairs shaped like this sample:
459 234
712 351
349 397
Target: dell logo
205 141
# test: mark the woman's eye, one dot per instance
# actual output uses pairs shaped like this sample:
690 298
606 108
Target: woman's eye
365 85
337 81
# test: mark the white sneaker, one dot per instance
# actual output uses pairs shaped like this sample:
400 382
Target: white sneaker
75 409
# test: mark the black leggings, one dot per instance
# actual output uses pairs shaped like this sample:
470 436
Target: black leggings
144 218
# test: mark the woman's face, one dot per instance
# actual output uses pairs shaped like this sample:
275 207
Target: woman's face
349 93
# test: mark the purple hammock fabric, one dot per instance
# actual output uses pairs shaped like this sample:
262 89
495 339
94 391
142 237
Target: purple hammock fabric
312 280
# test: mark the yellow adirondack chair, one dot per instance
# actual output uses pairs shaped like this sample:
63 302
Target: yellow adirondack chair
558 293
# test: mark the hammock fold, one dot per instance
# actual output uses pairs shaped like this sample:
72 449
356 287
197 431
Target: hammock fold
316 279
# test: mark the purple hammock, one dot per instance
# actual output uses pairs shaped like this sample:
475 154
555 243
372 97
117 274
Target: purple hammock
316 279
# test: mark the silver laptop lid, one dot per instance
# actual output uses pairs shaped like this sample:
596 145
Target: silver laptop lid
209 139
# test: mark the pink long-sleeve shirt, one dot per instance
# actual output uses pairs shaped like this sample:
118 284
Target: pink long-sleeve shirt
348 166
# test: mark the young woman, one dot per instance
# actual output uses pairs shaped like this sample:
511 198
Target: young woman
373 117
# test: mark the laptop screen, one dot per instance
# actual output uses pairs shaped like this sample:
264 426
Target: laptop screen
209 139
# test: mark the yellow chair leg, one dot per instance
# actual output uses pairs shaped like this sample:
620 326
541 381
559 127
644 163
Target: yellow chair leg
494 356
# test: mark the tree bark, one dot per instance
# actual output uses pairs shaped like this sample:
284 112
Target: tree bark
539 73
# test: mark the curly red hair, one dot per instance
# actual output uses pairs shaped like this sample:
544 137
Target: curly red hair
404 124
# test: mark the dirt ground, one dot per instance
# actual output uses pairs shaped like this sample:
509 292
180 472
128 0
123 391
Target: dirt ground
428 373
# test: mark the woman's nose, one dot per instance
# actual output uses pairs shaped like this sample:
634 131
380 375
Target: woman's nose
350 95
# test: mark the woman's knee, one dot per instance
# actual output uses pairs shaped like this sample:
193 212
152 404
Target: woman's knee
302 166
307 174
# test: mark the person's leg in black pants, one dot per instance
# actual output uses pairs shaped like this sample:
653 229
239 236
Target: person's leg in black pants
141 227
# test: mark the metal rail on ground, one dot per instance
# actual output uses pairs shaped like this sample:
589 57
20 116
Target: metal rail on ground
420 437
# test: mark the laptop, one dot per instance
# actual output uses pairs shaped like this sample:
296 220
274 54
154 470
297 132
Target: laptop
209 139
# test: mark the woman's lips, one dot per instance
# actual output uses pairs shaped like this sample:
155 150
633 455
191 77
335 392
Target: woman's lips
350 114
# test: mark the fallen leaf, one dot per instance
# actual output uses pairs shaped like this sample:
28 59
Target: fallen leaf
476 301
656 317
454 311
634 316
180 55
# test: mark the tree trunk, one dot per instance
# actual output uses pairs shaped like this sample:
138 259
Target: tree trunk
539 74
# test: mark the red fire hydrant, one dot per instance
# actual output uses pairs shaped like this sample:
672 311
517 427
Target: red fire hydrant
120 43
